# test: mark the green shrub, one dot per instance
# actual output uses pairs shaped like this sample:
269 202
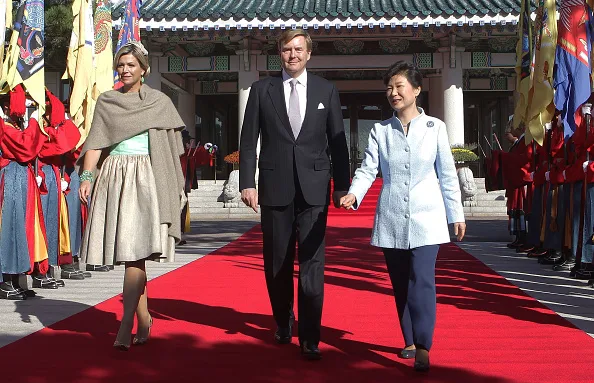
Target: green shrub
464 155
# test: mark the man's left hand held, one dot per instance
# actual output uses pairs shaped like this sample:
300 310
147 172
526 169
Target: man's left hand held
336 196
459 230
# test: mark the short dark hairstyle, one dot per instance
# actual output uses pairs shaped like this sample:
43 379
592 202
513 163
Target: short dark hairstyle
402 68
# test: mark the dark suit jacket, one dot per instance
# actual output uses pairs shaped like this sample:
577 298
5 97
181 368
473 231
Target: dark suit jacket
322 135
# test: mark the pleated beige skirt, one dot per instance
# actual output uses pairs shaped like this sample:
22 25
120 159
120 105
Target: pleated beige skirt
123 223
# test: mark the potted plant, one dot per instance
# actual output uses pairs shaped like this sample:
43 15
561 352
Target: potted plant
233 159
231 194
463 155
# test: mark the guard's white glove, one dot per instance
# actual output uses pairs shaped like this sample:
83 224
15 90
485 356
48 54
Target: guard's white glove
585 165
38 179
564 176
532 176
547 176
64 185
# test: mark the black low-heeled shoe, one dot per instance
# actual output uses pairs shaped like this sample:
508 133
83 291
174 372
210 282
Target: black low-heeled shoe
421 366
7 291
43 282
58 282
408 354
99 268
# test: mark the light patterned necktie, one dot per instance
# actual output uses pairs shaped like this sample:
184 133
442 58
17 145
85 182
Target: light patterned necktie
294 111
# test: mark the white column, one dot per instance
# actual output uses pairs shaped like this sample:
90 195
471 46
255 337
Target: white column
436 97
248 74
187 111
453 95
154 78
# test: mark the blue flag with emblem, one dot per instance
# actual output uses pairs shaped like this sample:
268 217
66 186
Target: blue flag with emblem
572 58
130 28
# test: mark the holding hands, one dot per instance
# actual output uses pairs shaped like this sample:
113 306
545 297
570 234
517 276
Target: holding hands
348 201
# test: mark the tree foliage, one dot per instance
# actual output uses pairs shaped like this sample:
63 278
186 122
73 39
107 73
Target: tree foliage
58 29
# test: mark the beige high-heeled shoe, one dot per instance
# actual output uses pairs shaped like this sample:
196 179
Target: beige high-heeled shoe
140 341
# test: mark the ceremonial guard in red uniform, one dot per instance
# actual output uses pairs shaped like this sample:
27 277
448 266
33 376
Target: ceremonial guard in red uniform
23 243
63 136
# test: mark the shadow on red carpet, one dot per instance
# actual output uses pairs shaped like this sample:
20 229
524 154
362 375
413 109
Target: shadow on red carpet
213 324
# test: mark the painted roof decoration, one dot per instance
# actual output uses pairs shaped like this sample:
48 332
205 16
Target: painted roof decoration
273 13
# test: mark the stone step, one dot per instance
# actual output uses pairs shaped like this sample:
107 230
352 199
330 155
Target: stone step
487 197
208 191
221 210
484 209
474 214
499 204
224 216
207 203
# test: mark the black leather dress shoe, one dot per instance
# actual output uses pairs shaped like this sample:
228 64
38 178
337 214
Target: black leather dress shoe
567 265
8 291
525 249
514 245
536 253
41 281
100 268
310 351
408 354
283 335
553 258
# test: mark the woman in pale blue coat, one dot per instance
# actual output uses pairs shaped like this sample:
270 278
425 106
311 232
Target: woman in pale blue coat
420 196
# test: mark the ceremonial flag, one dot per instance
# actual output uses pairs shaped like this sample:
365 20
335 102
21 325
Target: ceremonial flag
523 63
79 65
540 97
4 4
24 62
572 70
103 79
130 29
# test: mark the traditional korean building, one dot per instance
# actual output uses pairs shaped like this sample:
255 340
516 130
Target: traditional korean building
207 53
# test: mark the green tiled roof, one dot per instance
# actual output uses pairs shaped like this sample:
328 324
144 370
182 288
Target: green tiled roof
309 9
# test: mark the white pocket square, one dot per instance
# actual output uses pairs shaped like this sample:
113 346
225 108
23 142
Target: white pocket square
321 106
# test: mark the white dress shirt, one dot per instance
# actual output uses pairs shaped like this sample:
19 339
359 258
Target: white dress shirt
301 91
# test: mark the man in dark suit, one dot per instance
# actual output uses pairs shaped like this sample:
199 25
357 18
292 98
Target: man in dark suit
299 119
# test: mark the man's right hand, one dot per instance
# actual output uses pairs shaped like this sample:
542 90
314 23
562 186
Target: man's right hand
250 198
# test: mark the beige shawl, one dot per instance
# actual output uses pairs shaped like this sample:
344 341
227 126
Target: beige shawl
119 116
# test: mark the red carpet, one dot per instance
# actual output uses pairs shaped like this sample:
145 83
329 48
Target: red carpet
213 324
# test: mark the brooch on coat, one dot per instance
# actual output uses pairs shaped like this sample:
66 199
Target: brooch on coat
430 124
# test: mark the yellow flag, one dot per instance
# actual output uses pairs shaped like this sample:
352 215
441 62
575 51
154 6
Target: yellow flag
523 63
79 65
5 8
540 97
103 78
